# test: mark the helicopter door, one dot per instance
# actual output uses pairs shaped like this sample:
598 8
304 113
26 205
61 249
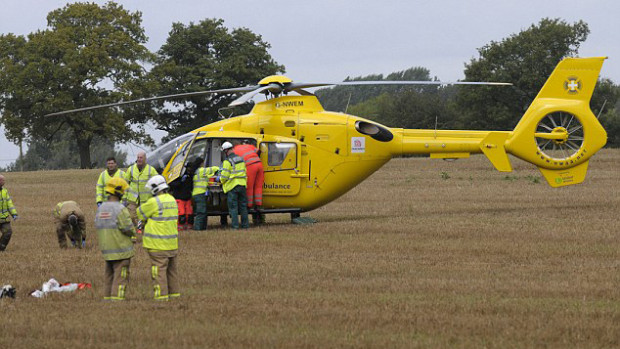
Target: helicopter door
176 167
280 161
198 150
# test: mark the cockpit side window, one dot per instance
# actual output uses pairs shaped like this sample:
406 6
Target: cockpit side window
282 155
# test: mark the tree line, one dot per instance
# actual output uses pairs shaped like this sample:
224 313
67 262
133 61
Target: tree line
91 54
525 59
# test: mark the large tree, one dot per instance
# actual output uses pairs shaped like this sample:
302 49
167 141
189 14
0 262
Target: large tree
525 59
88 55
205 56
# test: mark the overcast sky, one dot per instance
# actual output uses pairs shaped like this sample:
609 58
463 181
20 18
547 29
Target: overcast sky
327 40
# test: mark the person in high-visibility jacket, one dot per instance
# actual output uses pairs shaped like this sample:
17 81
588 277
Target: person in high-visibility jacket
137 175
234 179
256 178
199 193
70 222
114 231
6 210
112 171
161 238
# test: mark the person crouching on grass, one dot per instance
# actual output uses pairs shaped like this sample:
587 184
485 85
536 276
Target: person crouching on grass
70 222
115 230
161 238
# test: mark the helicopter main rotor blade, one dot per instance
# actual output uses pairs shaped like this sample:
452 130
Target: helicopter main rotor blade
273 88
142 100
295 86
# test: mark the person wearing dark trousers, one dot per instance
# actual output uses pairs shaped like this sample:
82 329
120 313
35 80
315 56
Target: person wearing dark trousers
7 210
181 188
70 222
199 193
234 180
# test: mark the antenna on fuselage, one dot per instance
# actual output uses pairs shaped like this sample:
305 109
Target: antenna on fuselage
222 116
348 101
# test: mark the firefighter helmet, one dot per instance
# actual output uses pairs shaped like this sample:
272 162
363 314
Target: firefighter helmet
156 184
116 186
73 220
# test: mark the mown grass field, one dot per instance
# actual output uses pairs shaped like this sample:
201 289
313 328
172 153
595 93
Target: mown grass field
425 253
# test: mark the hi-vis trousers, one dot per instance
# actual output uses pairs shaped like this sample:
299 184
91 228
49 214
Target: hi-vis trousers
164 274
116 279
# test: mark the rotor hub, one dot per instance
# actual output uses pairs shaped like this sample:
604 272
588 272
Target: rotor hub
560 131
559 135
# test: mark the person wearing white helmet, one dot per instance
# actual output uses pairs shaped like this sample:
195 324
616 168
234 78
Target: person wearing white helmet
161 237
234 181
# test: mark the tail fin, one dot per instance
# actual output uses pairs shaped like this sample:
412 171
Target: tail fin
559 133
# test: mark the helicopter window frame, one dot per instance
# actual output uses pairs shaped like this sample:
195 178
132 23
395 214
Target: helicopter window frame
180 155
276 155
216 156
161 156
203 143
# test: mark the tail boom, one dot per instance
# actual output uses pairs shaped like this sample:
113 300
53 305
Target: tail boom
558 133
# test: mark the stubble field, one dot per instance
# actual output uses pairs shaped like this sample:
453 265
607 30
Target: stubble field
425 253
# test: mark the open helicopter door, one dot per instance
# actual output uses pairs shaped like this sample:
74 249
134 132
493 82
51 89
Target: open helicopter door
187 152
281 161
160 157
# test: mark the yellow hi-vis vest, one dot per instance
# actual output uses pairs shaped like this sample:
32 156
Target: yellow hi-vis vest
137 193
161 231
201 179
114 231
104 177
6 206
233 173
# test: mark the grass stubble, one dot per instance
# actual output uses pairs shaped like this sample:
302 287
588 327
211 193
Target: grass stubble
409 258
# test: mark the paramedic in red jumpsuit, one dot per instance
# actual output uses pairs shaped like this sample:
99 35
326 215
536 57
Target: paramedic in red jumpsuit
256 178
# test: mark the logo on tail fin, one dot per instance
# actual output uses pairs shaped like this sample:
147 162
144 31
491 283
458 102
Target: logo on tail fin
572 85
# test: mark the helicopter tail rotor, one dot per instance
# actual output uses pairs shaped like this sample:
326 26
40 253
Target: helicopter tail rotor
559 133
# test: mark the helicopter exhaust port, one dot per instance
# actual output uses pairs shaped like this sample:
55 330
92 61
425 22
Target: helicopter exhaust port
375 131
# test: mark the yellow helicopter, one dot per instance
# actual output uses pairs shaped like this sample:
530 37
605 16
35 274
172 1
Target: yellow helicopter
312 156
